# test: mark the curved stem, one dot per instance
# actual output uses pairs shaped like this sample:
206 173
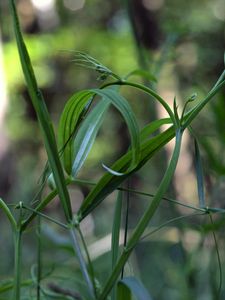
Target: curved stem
148 91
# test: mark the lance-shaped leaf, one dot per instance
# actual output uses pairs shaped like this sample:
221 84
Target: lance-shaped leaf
153 127
43 117
87 134
131 285
124 108
76 147
199 175
70 119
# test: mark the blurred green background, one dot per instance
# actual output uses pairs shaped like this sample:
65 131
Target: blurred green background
182 44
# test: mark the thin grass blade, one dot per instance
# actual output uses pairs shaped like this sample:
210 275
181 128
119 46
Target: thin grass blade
43 116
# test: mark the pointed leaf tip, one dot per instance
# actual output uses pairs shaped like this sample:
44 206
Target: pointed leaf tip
113 172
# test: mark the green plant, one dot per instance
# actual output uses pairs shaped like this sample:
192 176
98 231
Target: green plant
78 128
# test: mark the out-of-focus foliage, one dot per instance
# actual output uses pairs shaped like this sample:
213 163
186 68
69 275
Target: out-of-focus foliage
185 54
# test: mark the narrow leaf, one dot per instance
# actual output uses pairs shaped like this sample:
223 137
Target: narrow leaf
8 214
134 286
123 106
152 127
43 116
176 116
75 153
87 134
70 120
199 174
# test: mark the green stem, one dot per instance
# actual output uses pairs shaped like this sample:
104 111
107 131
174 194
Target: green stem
42 205
36 212
148 91
90 265
39 269
218 257
82 263
54 193
115 240
169 222
87 182
126 222
190 115
17 263
141 226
